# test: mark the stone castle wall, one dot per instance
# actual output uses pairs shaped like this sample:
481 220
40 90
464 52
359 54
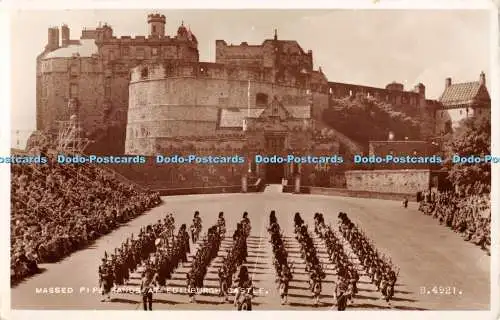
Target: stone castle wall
180 96
388 181
64 78
97 74
270 54
391 94
167 102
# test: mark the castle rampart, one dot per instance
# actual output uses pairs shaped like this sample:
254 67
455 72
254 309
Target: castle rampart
393 93
168 100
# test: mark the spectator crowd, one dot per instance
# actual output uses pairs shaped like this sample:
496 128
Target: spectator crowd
58 209
468 215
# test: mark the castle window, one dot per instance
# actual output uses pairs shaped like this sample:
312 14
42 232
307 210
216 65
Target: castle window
139 53
261 99
154 51
73 91
144 73
154 29
350 93
125 51
331 91
107 90
74 70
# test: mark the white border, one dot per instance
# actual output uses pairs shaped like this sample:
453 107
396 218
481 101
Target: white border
495 149
230 4
5 142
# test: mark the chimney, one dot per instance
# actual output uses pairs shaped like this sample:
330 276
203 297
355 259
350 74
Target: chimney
447 82
53 39
482 79
65 35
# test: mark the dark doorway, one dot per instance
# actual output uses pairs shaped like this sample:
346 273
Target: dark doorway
275 172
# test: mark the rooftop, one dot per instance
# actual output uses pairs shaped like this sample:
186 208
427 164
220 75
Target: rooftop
460 93
86 48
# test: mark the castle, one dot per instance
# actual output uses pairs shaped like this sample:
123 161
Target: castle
151 94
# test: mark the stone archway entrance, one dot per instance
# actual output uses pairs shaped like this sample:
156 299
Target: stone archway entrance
275 172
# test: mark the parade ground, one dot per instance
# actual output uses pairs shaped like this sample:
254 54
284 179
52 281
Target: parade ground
438 270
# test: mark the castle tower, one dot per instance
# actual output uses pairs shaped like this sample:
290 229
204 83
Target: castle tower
53 39
156 25
182 32
420 89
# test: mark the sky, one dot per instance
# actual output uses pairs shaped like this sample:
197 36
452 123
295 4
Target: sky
365 47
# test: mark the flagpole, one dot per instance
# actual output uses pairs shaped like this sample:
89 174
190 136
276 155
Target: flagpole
248 100
246 122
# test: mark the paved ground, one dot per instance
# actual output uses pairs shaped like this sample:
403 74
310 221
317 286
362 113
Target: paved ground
428 254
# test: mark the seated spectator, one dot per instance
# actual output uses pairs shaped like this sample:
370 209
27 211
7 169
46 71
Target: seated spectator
467 213
58 209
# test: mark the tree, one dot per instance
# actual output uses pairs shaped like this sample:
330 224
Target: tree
472 138
366 119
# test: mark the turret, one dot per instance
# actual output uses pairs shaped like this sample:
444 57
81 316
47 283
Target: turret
157 25
394 86
420 89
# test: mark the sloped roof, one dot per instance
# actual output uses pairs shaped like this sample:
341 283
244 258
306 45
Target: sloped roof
299 112
86 48
460 93
233 117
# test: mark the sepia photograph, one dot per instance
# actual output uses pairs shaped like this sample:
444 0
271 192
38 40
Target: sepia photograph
288 160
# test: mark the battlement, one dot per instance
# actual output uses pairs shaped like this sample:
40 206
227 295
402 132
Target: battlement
223 43
156 17
210 70
393 93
